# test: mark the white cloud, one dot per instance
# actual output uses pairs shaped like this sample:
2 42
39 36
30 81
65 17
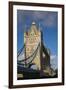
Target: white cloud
53 57
54 61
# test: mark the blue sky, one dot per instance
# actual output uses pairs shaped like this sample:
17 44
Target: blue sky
48 25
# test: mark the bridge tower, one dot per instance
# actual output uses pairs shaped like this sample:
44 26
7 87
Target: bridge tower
32 38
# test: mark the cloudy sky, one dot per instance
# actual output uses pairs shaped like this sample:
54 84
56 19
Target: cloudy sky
48 25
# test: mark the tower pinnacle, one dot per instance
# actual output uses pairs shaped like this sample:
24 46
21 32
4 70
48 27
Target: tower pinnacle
33 23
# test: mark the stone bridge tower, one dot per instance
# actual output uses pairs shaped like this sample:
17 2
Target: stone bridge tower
31 39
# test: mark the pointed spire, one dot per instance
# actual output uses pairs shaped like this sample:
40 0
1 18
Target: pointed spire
24 28
33 23
39 27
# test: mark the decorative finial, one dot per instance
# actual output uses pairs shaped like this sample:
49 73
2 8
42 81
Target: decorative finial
39 26
33 23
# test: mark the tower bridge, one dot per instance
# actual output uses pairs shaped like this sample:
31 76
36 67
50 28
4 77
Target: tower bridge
34 55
